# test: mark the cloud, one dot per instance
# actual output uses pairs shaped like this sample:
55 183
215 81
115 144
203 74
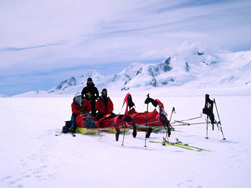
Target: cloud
55 36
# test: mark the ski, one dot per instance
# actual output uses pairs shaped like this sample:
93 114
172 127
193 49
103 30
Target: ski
164 143
197 148
181 145
187 145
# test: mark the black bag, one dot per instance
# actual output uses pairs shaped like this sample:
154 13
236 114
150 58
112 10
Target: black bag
67 127
89 123
208 108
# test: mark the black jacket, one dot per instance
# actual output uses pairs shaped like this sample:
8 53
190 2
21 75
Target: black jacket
90 92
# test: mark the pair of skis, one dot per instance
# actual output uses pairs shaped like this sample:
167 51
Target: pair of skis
180 145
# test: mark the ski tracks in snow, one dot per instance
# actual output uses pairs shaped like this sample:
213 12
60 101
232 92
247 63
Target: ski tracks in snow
36 166
188 184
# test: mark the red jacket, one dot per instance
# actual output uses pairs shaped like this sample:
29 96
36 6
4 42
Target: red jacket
76 108
100 106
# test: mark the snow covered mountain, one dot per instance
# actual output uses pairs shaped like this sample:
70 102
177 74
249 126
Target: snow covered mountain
188 69
73 84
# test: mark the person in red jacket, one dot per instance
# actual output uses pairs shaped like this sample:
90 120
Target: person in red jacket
104 105
79 106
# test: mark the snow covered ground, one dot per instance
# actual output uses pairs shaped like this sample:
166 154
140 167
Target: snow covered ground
32 156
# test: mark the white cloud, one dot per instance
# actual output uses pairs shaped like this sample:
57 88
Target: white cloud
46 36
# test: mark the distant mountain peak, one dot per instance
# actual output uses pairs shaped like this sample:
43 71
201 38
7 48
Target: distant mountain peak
66 83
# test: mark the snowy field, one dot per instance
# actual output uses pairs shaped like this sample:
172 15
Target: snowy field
32 156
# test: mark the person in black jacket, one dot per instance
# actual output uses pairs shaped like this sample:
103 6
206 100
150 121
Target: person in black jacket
90 92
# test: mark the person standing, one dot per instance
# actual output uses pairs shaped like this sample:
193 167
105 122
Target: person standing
90 92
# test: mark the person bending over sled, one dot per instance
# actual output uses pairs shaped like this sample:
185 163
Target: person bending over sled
79 106
90 92
104 105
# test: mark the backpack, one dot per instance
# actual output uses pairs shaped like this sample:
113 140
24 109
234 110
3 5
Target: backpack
208 108
89 123
67 126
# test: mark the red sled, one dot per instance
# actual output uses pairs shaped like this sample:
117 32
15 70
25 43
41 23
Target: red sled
144 120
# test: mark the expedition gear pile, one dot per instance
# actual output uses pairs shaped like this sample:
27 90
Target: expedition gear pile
82 117
148 122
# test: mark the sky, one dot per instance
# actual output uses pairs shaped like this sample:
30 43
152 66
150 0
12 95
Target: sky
45 42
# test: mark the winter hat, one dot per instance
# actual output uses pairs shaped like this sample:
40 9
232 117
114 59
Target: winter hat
78 99
104 93
89 80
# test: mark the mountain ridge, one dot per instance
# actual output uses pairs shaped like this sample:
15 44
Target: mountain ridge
188 69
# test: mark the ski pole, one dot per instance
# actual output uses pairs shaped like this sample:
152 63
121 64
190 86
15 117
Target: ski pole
192 118
207 129
217 111
169 124
125 119
219 120
146 119
123 138
116 126
186 124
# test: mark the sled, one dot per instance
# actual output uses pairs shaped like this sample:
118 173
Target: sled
145 121
152 122
140 119
106 125
87 131
113 130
